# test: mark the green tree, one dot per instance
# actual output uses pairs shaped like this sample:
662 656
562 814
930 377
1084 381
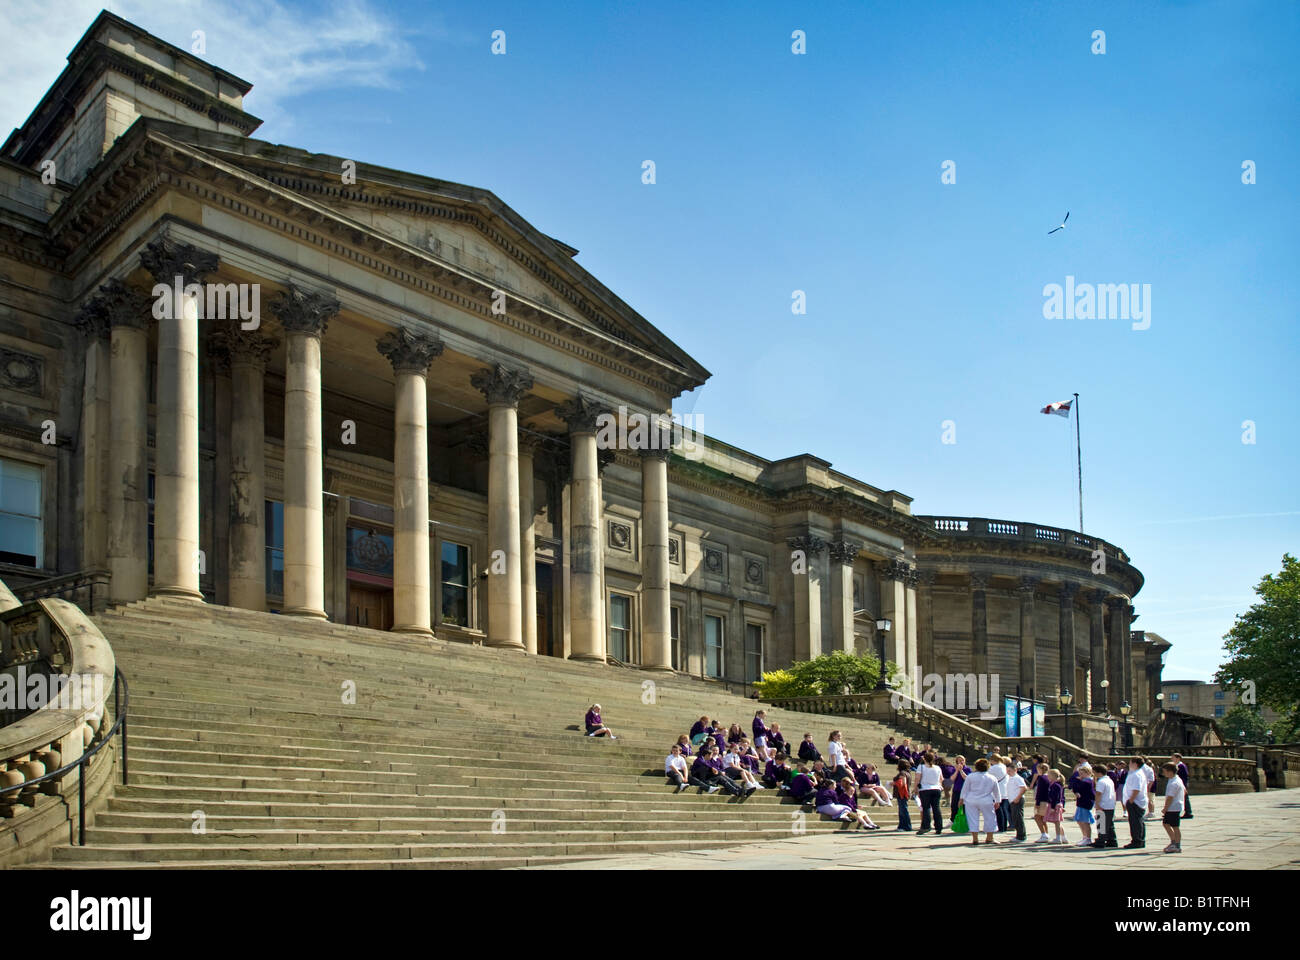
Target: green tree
831 673
1263 646
1245 723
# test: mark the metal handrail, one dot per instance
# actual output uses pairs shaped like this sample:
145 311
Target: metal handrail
120 704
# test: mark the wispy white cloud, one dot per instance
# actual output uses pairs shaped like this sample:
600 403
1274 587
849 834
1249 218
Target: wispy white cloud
285 50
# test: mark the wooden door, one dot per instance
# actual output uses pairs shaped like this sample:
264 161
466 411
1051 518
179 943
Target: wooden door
370 607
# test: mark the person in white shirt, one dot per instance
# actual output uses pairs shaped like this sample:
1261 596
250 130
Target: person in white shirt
930 790
839 760
675 769
1150 774
998 771
979 797
736 770
1175 797
1105 811
1135 804
1016 788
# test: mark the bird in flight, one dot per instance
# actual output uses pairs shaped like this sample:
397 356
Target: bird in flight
1062 226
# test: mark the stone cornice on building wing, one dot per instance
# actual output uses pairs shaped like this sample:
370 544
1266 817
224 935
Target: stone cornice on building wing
91 58
1059 561
144 160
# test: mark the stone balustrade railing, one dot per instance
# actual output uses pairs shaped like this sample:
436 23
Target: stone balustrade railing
1011 529
955 735
88 589
56 677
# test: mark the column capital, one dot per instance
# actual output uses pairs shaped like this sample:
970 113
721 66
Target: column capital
843 551
1097 597
243 347
1116 604
219 355
603 459
810 545
167 259
1068 589
1027 586
892 569
502 385
302 311
912 578
531 443
115 304
580 413
409 351
654 453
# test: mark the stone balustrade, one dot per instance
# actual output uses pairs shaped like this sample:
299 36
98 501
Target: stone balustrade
56 674
1004 529
88 589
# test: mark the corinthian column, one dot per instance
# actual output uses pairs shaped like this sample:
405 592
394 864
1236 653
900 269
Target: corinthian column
96 416
979 624
303 316
1066 631
807 594
248 352
1028 639
175 267
1097 648
528 445
656 608
410 353
586 599
503 387
127 310
1115 660
842 553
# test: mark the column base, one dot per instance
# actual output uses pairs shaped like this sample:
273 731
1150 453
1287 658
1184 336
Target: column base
648 668
587 658
414 631
507 645
305 612
177 593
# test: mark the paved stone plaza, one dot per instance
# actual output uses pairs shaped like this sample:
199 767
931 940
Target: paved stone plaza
1257 831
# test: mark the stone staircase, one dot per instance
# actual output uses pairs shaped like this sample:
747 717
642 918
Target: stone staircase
451 756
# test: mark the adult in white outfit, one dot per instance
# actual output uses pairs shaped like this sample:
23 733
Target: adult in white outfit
980 795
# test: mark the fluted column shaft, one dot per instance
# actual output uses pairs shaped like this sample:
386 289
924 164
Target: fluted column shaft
503 387
528 546
1115 674
807 595
128 453
893 606
1066 631
178 270
843 553
979 625
1097 648
656 606
586 597
1028 640
303 317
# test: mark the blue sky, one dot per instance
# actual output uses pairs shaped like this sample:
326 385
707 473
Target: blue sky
821 173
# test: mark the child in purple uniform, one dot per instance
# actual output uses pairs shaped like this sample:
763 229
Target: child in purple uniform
1056 803
595 726
775 740
1085 797
847 794
685 743
699 730
761 735
802 786
708 769
808 751
890 751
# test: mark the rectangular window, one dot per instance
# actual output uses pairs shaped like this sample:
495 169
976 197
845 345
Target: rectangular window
455 584
620 630
1173 698
274 548
22 538
675 632
1218 694
753 652
713 639
1218 711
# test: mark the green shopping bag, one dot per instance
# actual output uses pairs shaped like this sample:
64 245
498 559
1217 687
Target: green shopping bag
959 822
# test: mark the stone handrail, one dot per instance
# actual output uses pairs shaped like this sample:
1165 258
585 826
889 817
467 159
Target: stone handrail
88 589
50 645
1011 529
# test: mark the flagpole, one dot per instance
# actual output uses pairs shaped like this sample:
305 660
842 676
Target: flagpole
1078 452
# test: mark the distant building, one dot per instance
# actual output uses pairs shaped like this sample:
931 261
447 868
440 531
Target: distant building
1204 699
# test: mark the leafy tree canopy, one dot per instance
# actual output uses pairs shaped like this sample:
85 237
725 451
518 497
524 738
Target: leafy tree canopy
831 673
1263 646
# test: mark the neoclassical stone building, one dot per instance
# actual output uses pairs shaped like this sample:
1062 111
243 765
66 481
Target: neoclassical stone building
250 375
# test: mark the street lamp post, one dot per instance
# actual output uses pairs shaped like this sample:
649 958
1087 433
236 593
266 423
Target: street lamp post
1114 727
1105 696
1065 705
882 627
1125 709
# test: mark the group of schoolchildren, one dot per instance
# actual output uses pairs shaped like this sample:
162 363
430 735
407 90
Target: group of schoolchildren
993 794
